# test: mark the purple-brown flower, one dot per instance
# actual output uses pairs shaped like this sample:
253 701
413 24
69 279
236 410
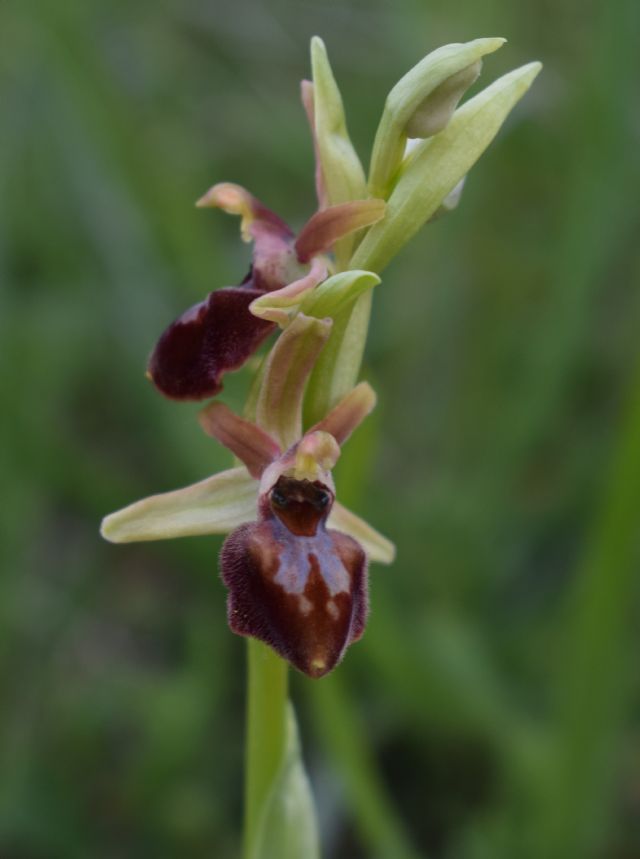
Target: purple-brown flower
220 333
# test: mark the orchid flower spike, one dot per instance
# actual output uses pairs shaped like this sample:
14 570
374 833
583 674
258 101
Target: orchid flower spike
295 560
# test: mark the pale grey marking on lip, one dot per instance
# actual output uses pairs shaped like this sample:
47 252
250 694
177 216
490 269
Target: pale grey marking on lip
304 605
332 609
294 567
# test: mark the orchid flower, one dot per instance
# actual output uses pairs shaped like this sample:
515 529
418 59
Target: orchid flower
220 333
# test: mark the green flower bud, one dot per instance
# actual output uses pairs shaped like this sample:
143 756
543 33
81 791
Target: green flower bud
421 104
434 168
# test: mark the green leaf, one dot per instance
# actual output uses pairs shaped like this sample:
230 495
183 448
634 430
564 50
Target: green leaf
213 506
436 166
421 104
287 827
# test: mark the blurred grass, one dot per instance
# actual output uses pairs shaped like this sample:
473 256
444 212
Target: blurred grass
492 708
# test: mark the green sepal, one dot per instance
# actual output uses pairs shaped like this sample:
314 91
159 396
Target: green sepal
421 103
216 505
436 166
377 547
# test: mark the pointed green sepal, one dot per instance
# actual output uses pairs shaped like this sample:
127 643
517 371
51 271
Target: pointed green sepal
421 104
341 168
435 167
377 547
213 506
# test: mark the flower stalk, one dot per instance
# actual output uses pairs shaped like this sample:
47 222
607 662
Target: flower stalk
267 695
295 562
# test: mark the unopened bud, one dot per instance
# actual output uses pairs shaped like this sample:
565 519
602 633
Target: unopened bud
436 110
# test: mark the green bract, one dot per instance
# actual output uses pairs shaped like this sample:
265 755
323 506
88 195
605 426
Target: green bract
342 171
434 168
421 103
342 175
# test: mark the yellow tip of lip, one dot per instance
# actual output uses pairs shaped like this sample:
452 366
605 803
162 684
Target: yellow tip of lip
318 665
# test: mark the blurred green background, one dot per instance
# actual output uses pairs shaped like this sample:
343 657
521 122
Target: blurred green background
491 710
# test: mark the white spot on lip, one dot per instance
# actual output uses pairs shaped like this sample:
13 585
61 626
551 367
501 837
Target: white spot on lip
332 609
294 567
304 605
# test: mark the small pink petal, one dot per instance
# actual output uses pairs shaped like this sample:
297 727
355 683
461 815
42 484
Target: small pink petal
324 228
254 447
349 413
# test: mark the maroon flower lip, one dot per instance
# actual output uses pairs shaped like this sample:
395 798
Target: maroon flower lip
210 339
293 584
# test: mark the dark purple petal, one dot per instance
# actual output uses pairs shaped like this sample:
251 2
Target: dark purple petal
207 341
293 584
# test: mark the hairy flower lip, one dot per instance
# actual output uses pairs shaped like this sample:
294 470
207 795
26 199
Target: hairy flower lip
305 595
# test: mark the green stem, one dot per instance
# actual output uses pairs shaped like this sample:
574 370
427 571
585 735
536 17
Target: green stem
266 733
